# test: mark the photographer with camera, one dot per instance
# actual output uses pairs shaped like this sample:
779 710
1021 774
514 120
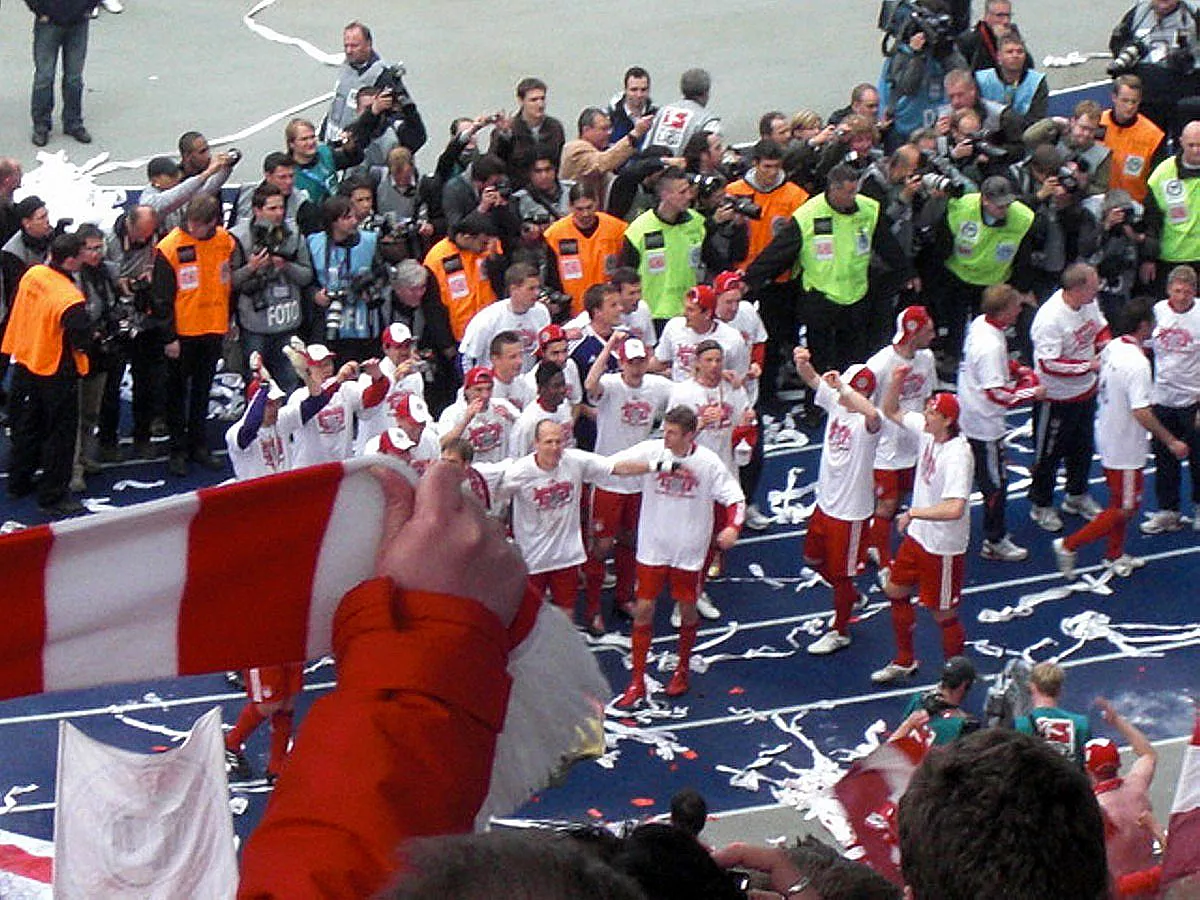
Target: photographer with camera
399 124
271 268
361 68
939 711
350 286
1119 251
855 143
171 188
919 50
318 163
727 236
1013 84
1000 127
544 197
279 170
530 133
1079 139
484 189
1156 41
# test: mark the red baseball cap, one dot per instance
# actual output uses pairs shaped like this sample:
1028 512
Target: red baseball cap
549 334
1101 757
862 379
910 320
704 296
946 404
396 335
728 280
478 375
410 406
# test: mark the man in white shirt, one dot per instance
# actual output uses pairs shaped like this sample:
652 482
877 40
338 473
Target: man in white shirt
896 456
635 312
936 528
326 434
552 347
836 541
402 367
551 403
989 385
676 349
1124 417
675 529
1067 334
520 313
1176 396
627 404
259 443
545 488
507 357
483 420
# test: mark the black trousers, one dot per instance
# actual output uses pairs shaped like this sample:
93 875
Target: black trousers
189 380
953 304
779 306
44 415
1062 433
1181 422
838 334
992 481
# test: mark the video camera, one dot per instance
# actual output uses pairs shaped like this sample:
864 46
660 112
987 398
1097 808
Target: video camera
900 20
269 237
939 174
392 79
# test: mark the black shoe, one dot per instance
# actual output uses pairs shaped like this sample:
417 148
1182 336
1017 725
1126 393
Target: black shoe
80 134
40 137
108 453
203 458
237 767
148 450
235 680
63 507
178 465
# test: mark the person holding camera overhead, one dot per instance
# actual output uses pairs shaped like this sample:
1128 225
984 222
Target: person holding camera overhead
919 50
1156 41
271 267
939 711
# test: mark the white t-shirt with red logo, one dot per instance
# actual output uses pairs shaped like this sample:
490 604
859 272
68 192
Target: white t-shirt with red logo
1064 342
1125 385
984 367
897 446
545 507
676 520
520 392
845 482
378 419
521 440
494 318
730 401
488 431
677 346
329 435
271 449
625 416
1176 343
945 471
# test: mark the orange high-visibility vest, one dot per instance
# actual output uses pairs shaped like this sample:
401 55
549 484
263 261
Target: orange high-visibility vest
202 281
463 283
585 261
1132 151
34 337
777 207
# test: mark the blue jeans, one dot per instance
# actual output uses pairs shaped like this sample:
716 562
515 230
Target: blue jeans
48 40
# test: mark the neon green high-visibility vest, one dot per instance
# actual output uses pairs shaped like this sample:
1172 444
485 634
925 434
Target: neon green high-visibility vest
1179 200
669 259
835 256
983 254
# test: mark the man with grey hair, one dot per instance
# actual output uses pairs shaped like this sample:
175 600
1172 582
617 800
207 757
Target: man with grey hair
589 159
1176 397
676 122
417 304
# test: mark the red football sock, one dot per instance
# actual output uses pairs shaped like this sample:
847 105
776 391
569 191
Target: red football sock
844 596
626 565
281 733
954 637
880 537
249 719
903 619
641 649
593 571
687 640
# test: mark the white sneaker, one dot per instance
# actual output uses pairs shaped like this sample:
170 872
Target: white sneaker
1047 517
830 642
1124 565
1161 522
1081 505
861 602
1064 558
706 608
893 671
755 520
676 617
1003 550
112 6
1196 520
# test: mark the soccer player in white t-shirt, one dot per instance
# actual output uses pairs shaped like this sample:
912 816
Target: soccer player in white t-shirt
485 421
675 529
507 358
1067 334
676 350
552 346
896 456
546 489
936 528
836 542
627 405
989 385
1123 418
520 313
260 442
326 434
635 312
551 403
401 365
1176 344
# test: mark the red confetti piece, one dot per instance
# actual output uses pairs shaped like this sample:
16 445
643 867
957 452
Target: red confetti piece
595 813
673 767
690 754
160 748
642 801
630 723
737 690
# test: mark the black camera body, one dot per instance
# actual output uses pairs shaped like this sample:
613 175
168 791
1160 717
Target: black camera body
269 237
745 206
900 20
1127 58
392 79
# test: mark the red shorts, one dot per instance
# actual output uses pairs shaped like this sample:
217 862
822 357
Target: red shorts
938 579
684 584
614 514
274 684
835 546
563 585
1124 488
892 484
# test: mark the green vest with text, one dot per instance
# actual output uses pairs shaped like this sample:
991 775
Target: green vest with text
1179 200
835 253
983 254
669 259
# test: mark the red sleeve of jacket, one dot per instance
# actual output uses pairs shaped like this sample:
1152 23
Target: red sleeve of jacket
403 747
375 392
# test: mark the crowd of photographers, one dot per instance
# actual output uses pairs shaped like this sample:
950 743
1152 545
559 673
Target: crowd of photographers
946 179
